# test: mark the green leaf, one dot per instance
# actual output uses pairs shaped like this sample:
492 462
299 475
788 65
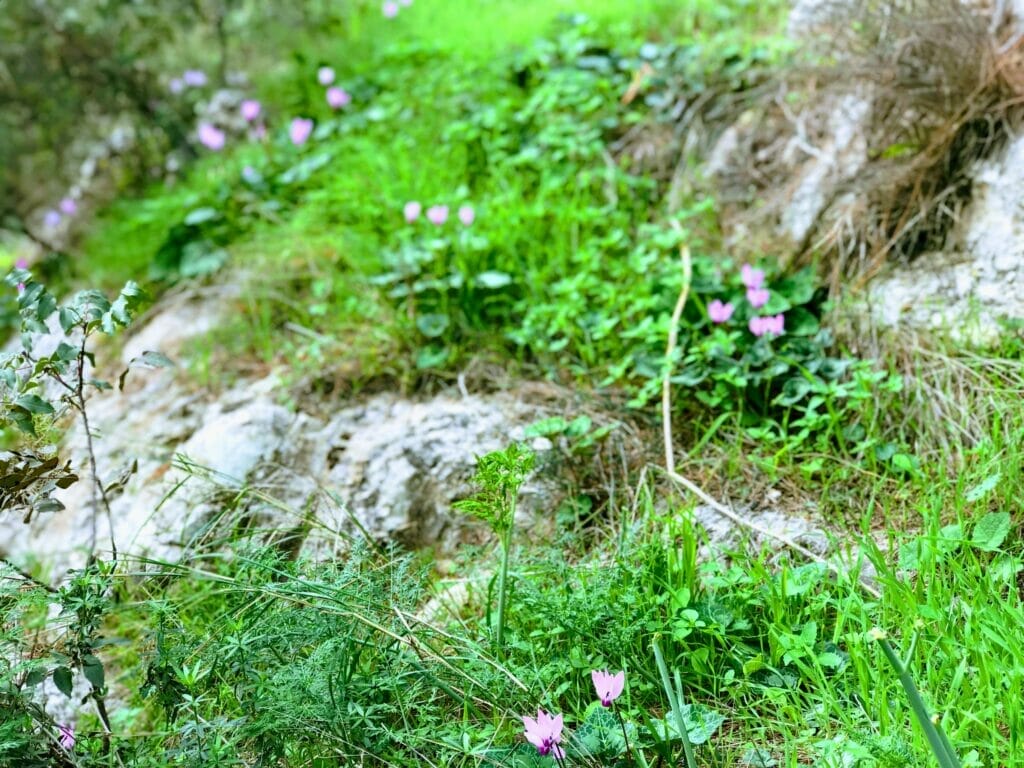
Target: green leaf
201 215
34 404
92 668
148 359
62 679
983 488
554 425
991 531
701 723
493 280
433 325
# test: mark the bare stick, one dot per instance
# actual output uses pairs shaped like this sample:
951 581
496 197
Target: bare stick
673 340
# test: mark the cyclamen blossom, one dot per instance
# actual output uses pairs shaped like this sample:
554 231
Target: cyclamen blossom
68 206
338 98
545 733
773 325
250 110
194 78
389 9
758 297
719 312
467 215
437 214
67 736
325 75
608 686
21 264
412 211
751 277
300 130
211 137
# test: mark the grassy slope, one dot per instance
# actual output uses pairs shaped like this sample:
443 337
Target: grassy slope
781 654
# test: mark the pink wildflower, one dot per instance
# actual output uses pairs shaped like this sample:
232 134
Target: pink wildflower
21 264
389 9
211 137
194 78
338 98
67 737
437 214
608 686
769 325
300 130
545 733
68 206
719 312
758 297
752 278
467 215
250 110
325 75
412 211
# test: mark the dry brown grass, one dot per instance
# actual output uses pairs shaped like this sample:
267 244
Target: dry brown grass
944 87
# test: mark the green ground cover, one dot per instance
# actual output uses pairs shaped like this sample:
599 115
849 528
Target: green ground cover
569 271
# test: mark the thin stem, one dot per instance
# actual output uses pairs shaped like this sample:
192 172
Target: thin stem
79 401
625 738
506 546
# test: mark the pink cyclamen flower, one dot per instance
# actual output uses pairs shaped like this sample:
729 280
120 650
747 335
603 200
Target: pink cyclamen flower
300 130
751 277
338 98
21 264
250 110
769 325
67 736
176 85
412 211
194 78
68 206
211 137
437 214
758 297
545 733
325 75
608 686
389 9
719 312
467 215
51 219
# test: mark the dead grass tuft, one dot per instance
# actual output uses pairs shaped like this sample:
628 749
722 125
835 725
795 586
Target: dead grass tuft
941 86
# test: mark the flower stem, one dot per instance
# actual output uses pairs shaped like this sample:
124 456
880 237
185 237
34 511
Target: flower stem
625 738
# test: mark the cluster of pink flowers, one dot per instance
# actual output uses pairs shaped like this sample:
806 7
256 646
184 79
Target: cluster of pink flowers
545 730
336 96
438 214
758 295
190 78
390 8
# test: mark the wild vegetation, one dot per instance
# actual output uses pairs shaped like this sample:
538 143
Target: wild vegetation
412 197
